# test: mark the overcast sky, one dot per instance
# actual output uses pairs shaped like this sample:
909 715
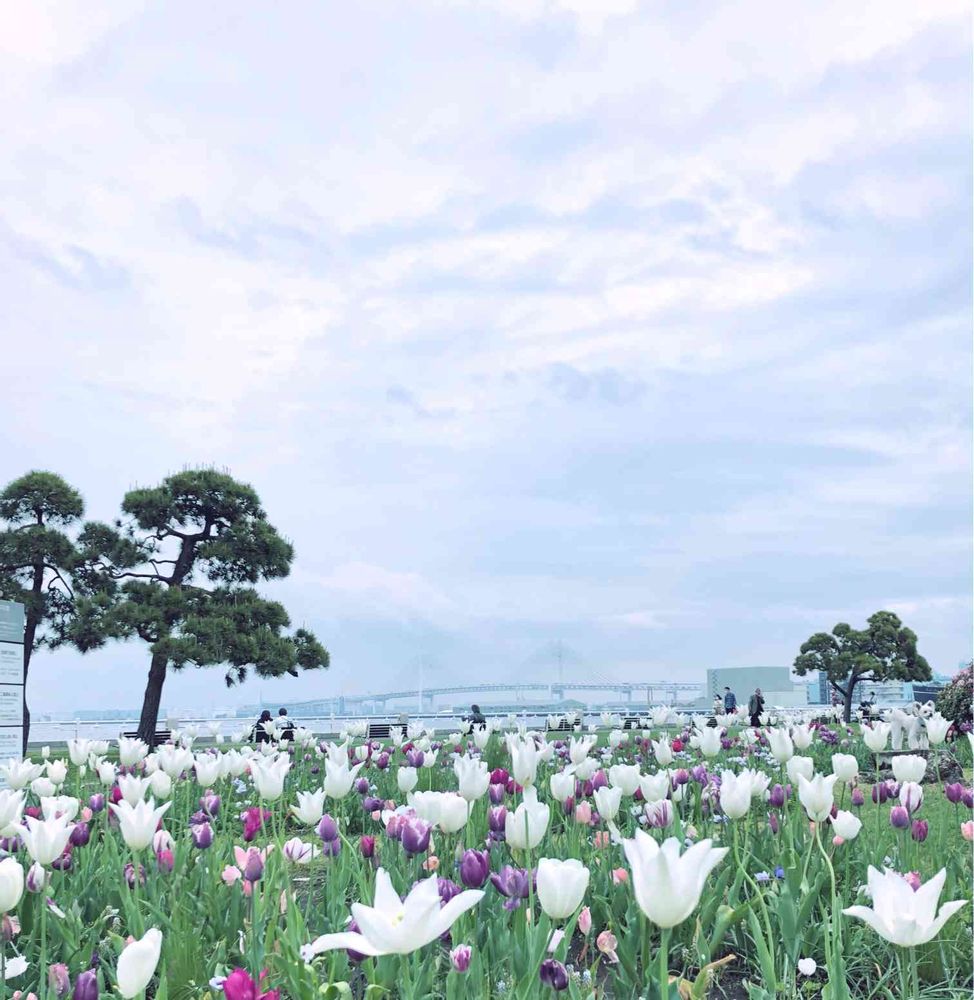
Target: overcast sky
642 327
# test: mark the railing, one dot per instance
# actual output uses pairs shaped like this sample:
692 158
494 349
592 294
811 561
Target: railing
49 732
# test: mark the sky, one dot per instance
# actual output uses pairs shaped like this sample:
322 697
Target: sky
639 327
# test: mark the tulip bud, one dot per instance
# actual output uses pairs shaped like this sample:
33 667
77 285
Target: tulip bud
382 761
954 791
858 799
64 862
327 828
415 836
554 974
880 793
773 822
599 780
585 920
919 830
913 880
899 818
165 861
254 868
968 798
460 957
474 868
36 878
58 979
361 786
497 819
777 797
86 986
202 835
80 835
496 794
97 802
210 804
129 873
366 846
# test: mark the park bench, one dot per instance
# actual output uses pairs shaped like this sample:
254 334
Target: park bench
158 738
631 722
562 726
383 730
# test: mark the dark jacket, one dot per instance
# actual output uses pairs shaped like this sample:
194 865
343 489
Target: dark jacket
755 704
730 701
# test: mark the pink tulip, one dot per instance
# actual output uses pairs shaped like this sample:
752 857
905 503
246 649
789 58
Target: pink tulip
606 943
967 830
231 874
585 920
583 813
620 876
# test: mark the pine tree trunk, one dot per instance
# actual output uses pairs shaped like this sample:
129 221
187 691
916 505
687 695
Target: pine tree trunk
847 709
30 632
152 699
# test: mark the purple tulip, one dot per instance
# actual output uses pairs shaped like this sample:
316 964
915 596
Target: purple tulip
880 793
415 758
415 836
371 804
858 799
699 774
327 828
165 861
202 835
80 835
474 868
63 863
599 780
554 974
919 830
86 985
254 868
899 818
681 776
447 890
497 793
361 785
460 957
513 883
96 803
777 797
210 804
355 956
129 872
773 822
331 848
954 792
382 761
366 846
497 819
36 878
968 798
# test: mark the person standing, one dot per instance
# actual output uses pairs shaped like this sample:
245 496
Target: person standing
730 700
755 706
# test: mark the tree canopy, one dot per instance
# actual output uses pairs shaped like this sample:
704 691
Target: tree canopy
884 650
37 558
177 570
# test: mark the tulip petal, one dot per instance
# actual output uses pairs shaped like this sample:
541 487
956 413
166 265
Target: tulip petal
348 940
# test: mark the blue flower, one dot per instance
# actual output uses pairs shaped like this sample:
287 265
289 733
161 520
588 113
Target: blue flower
779 872
762 877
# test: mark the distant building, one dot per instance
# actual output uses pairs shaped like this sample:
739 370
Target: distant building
818 689
776 684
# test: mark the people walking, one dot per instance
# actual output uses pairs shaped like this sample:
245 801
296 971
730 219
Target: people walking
730 700
755 706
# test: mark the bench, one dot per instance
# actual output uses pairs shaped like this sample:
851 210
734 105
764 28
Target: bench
562 726
158 738
631 722
383 730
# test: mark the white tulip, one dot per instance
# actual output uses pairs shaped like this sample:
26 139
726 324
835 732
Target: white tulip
208 769
174 760
579 749
911 796
473 777
11 884
846 825
667 885
524 760
339 778
801 736
561 886
707 740
131 751
608 799
909 767
64 805
133 789
310 807
562 785
735 794
663 752
78 751
298 852
46 839
654 786
586 769
160 784
626 777
394 926
406 779
11 811
137 964
454 812
899 914
268 776
779 742
817 795
845 767
937 727
43 787
876 736
106 772
525 827
800 766
138 823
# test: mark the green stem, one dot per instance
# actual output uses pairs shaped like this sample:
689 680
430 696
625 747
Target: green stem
664 967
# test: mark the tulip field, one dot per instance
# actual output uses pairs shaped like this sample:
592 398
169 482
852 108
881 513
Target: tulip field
797 859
